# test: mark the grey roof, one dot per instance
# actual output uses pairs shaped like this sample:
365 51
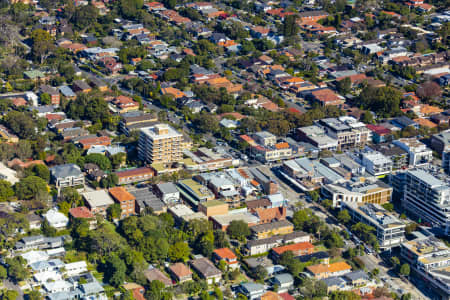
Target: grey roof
205 267
357 275
253 262
284 278
270 226
334 281
66 91
67 170
251 287
167 188
316 255
404 121
92 288
427 177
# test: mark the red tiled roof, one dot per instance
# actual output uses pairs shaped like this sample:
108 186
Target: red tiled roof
380 130
135 172
225 253
293 247
81 212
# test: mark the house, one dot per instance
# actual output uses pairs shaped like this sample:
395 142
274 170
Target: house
56 219
82 212
206 270
80 86
252 290
136 290
7 135
34 221
75 268
124 104
135 175
260 246
98 201
226 255
52 92
98 84
67 175
126 200
156 274
39 242
180 272
67 92
297 249
321 271
284 282
89 141
403 122
326 97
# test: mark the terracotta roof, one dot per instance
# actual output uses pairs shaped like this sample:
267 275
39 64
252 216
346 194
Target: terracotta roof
270 214
19 101
325 95
253 204
121 194
254 182
135 172
293 247
286 296
331 268
282 145
425 123
180 270
339 266
236 115
225 253
271 296
81 212
173 91
427 109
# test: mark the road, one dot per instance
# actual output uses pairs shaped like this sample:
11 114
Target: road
9 285
390 279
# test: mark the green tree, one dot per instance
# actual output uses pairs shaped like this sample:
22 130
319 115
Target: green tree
41 171
156 291
100 160
405 270
42 44
10 295
367 118
300 217
29 187
258 273
179 252
6 190
290 27
384 101
388 206
113 212
344 86
3 273
84 16
130 8
35 295
344 217
47 230
17 270
238 230
115 271
21 123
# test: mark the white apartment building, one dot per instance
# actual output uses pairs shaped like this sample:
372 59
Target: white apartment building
376 163
419 154
428 198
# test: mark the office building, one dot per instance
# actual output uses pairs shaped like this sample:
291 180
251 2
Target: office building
390 231
160 144
368 191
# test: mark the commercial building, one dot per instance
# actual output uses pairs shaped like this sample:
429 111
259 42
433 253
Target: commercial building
429 259
367 191
194 192
213 208
441 143
398 156
390 231
428 198
348 131
317 137
160 144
